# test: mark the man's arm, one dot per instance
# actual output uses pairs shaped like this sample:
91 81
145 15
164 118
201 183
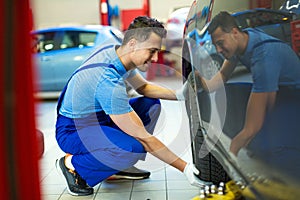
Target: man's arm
218 80
151 90
131 124
258 105
156 91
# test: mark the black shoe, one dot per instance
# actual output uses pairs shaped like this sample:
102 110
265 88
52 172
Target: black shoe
131 173
75 184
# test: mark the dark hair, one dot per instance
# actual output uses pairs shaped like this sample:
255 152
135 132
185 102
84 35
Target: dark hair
141 28
223 20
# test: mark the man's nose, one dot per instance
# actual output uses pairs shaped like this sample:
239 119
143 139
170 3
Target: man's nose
154 57
218 49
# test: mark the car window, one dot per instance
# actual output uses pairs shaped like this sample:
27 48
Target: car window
44 41
78 39
261 18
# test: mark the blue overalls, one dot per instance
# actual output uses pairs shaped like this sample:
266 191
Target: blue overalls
99 148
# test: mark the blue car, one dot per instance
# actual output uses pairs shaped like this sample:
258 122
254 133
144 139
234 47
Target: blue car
59 51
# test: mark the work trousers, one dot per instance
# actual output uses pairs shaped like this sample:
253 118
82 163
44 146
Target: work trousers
100 148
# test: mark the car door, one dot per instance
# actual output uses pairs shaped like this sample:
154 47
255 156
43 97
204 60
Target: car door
45 44
73 49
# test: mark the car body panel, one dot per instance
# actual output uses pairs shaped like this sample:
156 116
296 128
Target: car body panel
217 117
291 6
277 24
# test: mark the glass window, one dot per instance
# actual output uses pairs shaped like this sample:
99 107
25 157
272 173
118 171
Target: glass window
78 39
261 18
44 41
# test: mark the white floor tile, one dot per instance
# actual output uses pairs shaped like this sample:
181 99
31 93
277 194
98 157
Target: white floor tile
113 196
182 194
149 195
148 185
116 186
50 197
180 185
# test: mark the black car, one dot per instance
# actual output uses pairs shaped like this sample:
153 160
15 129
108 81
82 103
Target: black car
215 118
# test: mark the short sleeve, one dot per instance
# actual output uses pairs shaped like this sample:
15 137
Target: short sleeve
112 96
265 70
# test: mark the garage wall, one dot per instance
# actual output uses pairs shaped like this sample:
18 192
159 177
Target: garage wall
49 13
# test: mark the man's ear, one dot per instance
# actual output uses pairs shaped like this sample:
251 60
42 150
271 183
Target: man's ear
235 31
132 43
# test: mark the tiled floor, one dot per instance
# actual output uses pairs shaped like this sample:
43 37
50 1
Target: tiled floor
165 182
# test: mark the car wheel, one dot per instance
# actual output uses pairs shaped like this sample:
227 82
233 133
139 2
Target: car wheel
211 65
217 61
210 168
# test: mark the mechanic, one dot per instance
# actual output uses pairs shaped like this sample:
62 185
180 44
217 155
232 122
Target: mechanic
273 65
103 132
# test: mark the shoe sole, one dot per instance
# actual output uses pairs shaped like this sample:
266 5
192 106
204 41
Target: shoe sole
120 177
59 170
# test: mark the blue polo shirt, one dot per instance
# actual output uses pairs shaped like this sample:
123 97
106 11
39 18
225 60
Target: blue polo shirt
98 88
271 63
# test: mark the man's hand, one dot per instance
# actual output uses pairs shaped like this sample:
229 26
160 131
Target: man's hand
182 92
190 171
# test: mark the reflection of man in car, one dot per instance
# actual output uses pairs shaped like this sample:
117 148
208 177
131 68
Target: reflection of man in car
102 130
272 64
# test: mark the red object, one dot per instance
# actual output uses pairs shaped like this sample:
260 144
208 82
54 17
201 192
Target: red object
295 30
146 7
264 3
40 143
104 18
19 169
173 20
128 15
211 5
260 4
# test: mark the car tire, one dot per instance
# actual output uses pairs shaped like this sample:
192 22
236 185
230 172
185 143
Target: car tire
211 65
210 168
217 60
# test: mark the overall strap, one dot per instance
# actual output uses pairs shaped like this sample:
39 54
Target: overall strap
106 47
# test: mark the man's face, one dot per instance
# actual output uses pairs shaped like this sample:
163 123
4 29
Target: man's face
146 52
225 43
